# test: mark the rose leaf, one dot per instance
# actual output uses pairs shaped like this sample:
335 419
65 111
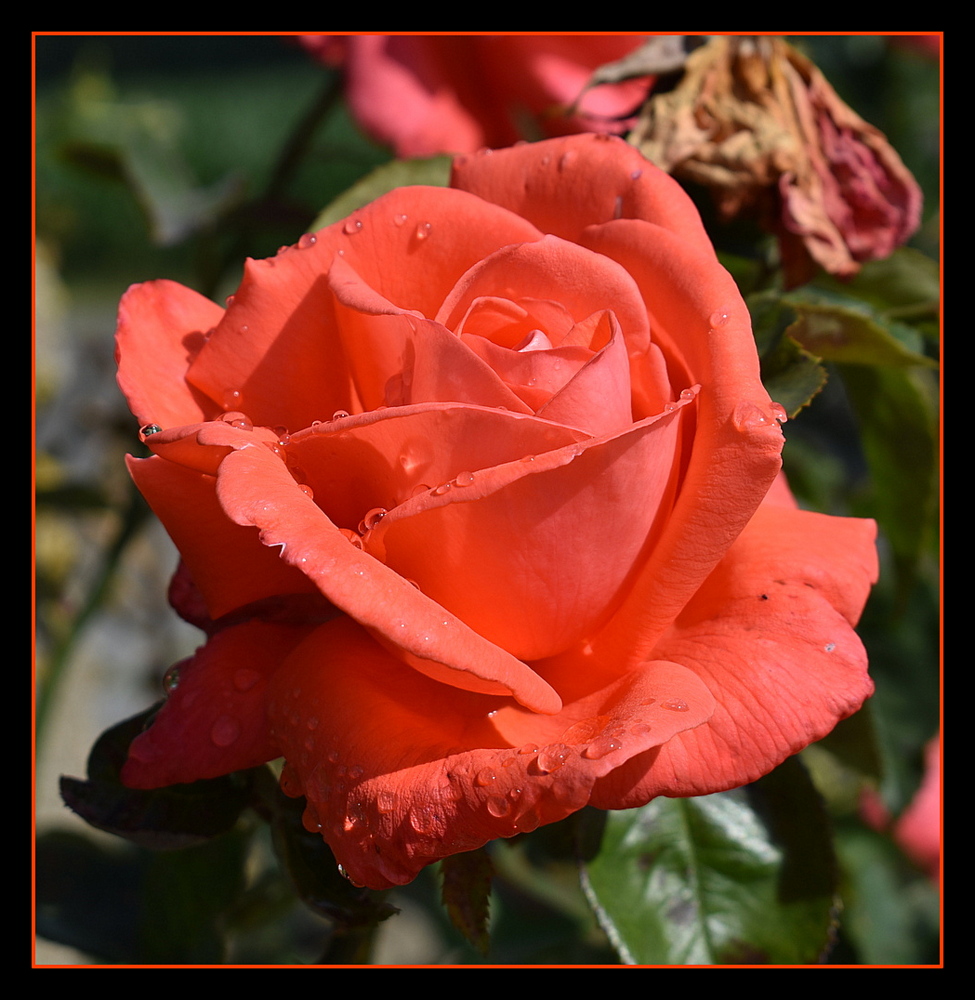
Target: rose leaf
740 877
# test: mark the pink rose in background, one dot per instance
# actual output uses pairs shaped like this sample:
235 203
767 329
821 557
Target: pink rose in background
431 94
918 829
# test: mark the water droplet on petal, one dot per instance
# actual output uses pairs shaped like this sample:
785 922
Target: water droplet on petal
747 415
372 518
675 705
636 175
551 758
340 414
400 218
498 807
601 747
718 318
307 490
347 876
171 679
438 491
829 647
485 777
225 731
149 429
352 226
464 479
778 412
307 240
232 399
245 679
423 230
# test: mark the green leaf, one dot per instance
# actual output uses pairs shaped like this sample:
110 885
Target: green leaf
161 818
740 877
398 173
896 413
845 329
790 374
466 895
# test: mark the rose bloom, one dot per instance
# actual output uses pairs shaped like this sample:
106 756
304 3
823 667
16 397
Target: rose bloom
478 500
430 94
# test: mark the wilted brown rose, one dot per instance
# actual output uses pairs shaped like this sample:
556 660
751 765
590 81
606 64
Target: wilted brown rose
760 126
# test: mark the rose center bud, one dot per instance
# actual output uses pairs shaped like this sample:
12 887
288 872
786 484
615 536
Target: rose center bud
535 340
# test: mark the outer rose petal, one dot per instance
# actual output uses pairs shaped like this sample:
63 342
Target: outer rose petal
227 563
771 634
410 771
162 326
214 720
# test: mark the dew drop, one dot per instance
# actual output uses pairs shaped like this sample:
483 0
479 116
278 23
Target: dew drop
552 757
566 159
423 230
438 491
400 218
498 807
778 411
636 175
687 394
348 877
149 429
229 301
171 679
307 240
307 490
600 748
529 748
232 399
225 731
829 647
464 479
340 414
372 518
747 415
419 489
245 679
675 705
422 820
718 319
352 226
485 777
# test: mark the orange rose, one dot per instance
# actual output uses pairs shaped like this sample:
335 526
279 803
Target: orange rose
469 494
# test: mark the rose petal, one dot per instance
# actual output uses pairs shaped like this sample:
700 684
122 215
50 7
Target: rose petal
254 487
493 552
278 346
580 181
771 634
732 453
410 771
214 719
227 562
162 326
